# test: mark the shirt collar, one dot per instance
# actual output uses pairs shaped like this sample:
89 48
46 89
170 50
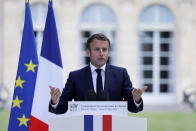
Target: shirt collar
93 68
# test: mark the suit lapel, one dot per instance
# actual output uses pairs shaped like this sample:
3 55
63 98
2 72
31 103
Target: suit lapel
107 77
89 79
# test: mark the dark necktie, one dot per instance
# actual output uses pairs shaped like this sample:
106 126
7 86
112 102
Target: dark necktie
99 81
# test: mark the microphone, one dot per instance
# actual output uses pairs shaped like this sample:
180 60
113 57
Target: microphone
90 96
103 96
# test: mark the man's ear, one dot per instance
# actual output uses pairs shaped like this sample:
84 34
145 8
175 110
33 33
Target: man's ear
88 52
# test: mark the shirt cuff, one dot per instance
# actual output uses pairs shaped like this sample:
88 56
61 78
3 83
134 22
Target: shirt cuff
53 106
137 105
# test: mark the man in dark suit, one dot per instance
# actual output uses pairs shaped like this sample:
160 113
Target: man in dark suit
97 77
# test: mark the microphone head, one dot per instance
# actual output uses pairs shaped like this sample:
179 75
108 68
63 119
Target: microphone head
90 95
103 96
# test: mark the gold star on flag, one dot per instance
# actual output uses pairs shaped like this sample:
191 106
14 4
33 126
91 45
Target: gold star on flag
19 82
17 102
23 120
30 66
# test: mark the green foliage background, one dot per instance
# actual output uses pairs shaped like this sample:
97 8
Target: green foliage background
157 121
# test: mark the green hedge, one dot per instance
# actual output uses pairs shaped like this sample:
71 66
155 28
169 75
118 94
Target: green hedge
172 121
4 119
156 121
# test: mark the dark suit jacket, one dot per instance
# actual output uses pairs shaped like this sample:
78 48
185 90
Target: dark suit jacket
117 84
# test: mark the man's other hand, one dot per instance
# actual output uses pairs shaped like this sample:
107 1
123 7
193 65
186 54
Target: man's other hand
137 93
55 94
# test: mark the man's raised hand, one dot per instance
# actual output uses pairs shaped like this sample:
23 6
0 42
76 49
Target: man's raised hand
137 93
55 94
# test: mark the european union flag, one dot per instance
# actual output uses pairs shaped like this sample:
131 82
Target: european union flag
25 79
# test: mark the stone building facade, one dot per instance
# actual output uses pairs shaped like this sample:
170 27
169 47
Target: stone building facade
153 39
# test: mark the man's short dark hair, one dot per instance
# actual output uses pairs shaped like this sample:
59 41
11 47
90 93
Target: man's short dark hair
98 36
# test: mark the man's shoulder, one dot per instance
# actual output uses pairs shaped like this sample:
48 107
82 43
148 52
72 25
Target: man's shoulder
117 71
113 67
82 70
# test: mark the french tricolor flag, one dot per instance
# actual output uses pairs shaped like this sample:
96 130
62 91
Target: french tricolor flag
97 123
50 73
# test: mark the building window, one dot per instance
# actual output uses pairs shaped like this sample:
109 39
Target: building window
156 35
97 18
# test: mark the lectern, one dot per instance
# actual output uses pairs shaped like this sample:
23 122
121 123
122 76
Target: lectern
97 116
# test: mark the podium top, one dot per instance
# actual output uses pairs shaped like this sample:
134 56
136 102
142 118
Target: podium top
118 108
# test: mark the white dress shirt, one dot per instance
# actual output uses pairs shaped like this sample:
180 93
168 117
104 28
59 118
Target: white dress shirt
94 75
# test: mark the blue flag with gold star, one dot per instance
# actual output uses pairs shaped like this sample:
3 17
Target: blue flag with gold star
25 79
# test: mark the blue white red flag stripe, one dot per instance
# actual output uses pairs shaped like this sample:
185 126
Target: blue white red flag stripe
88 122
107 123
99 123
91 123
39 125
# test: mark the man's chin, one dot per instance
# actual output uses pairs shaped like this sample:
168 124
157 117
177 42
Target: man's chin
100 64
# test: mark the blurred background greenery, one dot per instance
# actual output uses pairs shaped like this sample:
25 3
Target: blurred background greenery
157 121
4 120
169 121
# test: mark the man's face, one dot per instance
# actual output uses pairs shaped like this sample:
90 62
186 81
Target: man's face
98 53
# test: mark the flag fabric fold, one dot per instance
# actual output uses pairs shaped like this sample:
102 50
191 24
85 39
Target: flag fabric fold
50 73
25 78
